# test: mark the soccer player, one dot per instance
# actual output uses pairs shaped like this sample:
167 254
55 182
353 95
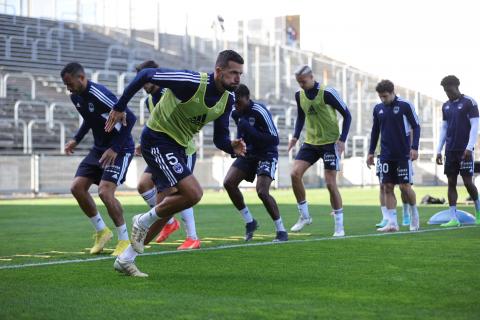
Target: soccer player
107 162
256 128
393 118
152 193
194 99
318 105
459 131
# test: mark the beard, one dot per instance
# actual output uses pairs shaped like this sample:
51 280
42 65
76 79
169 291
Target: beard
231 87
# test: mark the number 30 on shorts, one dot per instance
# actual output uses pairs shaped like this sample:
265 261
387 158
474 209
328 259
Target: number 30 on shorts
383 167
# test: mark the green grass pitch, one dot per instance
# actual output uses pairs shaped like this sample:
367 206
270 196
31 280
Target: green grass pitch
426 275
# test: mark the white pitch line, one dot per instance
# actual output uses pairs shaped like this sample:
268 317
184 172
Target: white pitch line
234 246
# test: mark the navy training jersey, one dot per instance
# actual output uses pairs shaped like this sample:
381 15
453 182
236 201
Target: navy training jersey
457 114
94 105
256 128
184 84
394 122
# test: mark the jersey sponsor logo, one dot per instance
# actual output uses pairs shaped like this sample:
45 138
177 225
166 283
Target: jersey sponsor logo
198 120
178 168
311 110
251 120
90 107
396 109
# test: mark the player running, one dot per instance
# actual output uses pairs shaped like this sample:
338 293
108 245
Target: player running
318 105
459 131
194 99
393 119
152 191
256 128
107 162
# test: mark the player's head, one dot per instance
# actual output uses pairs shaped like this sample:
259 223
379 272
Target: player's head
228 69
386 91
74 78
148 87
242 98
450 85
304 76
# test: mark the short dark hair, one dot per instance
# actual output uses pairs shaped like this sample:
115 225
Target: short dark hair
228 55
450 80
385 86
145 65
242 91
73 68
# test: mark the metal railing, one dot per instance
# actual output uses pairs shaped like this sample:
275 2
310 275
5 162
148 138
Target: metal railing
3 88
8 44
55 105
60 32
30 125
25 31
30 104
35 48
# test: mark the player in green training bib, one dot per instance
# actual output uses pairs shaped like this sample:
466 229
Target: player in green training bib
153 191
318 105
193 100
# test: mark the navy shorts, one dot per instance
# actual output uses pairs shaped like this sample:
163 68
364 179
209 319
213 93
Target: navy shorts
455 165
166 158
255 167
159 184
91 168
328 152
396 172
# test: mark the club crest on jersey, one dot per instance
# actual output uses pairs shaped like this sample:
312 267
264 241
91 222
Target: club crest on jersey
460 105
90 107
396 109
251 120
178 168
447 107
78 105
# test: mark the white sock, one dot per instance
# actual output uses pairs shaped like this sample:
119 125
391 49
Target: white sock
384 213
128 254
338 214
172 220
414 209
98 222
150 197
189 220
122 232
477 205
453 213
279 224
303 209
149 218
406 209
247 216
392 213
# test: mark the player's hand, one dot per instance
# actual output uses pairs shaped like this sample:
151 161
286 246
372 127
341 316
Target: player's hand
370 160
113 118
340 147
292 144
108 158
69 146
138 150
239 147
439 159
467 155
413 154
